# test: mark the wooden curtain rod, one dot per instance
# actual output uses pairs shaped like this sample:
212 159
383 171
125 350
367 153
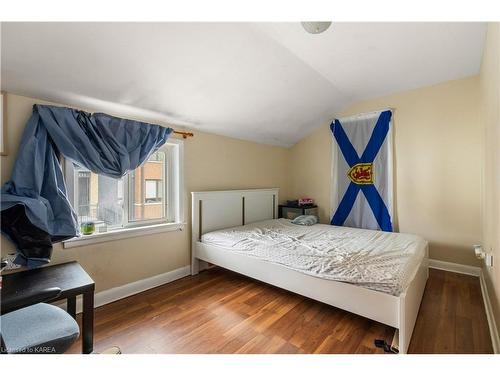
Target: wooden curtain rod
184 134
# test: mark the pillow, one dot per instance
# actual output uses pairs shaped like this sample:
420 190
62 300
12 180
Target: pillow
305 220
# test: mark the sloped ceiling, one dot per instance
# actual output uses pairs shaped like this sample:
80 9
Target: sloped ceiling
266 82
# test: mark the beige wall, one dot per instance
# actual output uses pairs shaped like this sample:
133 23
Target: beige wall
490 118
310 162
437 165
211 162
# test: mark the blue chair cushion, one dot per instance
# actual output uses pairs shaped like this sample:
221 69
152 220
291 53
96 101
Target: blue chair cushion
41 328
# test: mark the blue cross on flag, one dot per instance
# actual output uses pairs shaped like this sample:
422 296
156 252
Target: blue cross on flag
362 171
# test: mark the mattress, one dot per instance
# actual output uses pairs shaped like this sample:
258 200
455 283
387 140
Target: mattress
376 260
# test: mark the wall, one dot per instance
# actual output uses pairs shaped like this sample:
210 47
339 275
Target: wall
490 118
437 159
211 162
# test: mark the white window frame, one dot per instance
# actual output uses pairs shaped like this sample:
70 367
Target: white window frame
174 217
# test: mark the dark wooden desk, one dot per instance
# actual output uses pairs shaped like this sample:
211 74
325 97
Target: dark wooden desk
71 278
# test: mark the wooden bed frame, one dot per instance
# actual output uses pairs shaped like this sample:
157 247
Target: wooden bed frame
213 210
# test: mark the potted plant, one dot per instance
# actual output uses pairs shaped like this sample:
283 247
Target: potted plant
87 228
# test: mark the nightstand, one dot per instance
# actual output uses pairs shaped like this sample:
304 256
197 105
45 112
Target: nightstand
292 211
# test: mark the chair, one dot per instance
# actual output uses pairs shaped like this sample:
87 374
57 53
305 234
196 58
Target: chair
29 326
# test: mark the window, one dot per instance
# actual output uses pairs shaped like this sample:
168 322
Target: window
145 197
154 191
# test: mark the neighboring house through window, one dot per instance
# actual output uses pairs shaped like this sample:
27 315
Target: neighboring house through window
149 195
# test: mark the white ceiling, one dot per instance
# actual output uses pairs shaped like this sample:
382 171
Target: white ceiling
267 82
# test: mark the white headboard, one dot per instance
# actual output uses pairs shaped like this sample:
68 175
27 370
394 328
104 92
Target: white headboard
212 210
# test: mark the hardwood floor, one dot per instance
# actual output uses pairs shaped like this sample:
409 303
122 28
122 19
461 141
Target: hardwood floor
222 312
452 318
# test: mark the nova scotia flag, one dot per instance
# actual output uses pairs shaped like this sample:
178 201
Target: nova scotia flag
362 171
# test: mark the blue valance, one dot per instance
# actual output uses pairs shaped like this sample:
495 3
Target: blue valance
35 208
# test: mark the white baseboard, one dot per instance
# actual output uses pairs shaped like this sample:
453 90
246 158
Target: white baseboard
123 291
455 267
495 340
474 271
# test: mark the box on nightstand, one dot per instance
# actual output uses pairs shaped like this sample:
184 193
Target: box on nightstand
292 211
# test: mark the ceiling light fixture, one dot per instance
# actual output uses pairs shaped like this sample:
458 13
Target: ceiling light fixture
315 27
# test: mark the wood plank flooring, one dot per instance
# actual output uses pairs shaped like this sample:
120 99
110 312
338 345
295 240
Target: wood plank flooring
219 311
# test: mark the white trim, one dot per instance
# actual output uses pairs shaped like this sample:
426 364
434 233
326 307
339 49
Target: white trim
127 290
478 272
454 267
120 234
176 182
495 340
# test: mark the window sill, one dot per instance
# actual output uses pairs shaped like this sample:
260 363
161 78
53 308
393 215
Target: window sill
121 234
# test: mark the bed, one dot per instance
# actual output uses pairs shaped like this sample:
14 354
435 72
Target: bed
378 275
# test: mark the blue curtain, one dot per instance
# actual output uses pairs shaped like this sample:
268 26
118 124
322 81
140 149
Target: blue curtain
35 208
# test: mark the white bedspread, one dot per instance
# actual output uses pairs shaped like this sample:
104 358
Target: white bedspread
376 260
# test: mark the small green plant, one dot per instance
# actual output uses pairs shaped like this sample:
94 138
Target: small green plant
87 228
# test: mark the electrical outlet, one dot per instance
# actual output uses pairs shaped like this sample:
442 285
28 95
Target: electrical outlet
481 254
488 259
478 251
